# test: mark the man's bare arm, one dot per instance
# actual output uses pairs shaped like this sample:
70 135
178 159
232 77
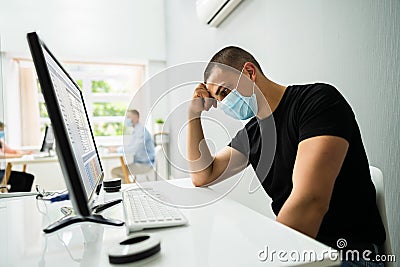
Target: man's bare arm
318 162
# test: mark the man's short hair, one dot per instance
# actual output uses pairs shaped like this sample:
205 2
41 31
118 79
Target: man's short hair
232 56
1 124
134 112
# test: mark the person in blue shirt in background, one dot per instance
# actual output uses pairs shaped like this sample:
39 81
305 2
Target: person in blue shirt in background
140 145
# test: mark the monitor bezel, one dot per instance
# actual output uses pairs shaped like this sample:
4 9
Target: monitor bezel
81 203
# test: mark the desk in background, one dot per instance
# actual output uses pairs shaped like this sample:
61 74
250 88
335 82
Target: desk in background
30 159
53 169
224 233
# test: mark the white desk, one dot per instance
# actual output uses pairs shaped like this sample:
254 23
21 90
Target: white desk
224 233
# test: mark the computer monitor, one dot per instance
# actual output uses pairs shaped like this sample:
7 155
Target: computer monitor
48 140
76 147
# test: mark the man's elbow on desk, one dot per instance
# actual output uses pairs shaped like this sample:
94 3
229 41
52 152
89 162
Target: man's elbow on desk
196 184
198 180
203 177
201 174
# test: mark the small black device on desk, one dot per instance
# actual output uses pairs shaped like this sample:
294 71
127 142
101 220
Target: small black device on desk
136 247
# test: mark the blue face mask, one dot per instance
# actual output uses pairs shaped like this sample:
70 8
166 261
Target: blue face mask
1 134
128 123
238 106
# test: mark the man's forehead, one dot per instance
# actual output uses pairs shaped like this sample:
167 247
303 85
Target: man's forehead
220 73
130 114
219 76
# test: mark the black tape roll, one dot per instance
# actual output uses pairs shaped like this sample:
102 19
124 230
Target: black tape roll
112 185
115 182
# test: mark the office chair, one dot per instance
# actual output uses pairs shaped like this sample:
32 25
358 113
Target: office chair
4 181
152 170
20 181
15 181
159 156
377 179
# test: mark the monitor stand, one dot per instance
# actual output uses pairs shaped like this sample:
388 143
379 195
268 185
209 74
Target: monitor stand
45 154
93 218
49 154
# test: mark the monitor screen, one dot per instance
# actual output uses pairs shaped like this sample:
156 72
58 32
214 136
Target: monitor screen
76 124
76 147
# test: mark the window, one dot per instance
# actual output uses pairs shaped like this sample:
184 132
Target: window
108 90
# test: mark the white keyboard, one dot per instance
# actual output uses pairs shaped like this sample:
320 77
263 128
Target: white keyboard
142 211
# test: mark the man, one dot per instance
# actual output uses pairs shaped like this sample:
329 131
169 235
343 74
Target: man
318 177
141 146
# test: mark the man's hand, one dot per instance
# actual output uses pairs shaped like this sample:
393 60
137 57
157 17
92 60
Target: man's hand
26 152
112 149
201 100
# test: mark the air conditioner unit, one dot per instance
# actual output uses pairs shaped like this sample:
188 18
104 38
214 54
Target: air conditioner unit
213 12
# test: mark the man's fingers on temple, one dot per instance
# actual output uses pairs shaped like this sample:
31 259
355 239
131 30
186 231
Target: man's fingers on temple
201 93
214 103
208 103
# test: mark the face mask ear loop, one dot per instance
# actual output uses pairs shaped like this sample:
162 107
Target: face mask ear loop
254 85
240 76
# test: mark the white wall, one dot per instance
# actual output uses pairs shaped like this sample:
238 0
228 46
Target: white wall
353 45
91 30
95 29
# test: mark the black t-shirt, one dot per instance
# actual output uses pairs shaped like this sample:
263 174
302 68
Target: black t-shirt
307 111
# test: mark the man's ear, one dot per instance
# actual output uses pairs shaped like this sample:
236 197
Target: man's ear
251 70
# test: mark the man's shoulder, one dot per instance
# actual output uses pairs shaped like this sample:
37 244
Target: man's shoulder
315 94
142 129
139 127
315 89
312 89
300 95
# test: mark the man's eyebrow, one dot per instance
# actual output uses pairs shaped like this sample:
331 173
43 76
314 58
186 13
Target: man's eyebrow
219 89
